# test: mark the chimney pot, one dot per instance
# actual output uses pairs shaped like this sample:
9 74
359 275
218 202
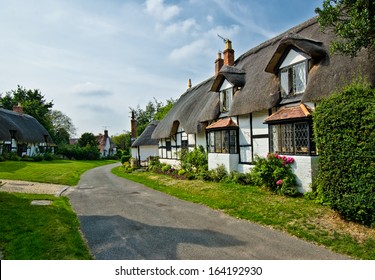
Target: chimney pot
228 53
18 109
189 83
219 62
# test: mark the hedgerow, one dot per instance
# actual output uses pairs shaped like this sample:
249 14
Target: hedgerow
344 126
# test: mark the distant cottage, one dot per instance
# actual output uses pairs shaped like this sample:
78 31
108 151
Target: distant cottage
22 134
144 147
261 102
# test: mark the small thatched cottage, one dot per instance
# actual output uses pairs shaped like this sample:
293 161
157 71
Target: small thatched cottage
22 134
144 146
262 102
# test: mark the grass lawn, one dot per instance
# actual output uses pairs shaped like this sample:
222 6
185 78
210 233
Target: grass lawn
65 172
42 232
29 232
297 216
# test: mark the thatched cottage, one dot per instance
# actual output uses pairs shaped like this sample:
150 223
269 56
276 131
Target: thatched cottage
22 134
262 102
144 146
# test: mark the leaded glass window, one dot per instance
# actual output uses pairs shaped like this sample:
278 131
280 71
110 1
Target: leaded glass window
292 138
222 141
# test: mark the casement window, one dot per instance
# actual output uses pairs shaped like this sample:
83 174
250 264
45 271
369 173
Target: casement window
168 145
226 99
293 74
294 138
226 96
223 141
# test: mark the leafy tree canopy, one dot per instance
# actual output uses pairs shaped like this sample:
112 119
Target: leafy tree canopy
155 110
88 140
123 142
353 22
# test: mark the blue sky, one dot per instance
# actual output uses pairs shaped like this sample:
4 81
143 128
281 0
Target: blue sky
95 59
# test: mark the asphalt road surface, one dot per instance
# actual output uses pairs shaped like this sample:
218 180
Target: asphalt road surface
123 220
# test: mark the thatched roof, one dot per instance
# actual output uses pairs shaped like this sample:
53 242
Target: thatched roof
145 138
195 105
27 128
255 72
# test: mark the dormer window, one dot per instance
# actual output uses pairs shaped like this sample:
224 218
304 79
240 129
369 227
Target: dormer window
226 96
293 74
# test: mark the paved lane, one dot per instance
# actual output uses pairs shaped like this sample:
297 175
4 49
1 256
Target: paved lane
125 220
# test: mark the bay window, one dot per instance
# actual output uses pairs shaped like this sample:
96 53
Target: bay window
223 141
295 138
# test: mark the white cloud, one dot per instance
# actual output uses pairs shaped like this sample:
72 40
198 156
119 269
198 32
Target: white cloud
159 10
178 28
189 52
210 19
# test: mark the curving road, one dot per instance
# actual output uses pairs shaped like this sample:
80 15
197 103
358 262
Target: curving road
125 220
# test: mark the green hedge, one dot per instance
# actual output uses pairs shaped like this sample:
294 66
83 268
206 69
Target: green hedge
344 126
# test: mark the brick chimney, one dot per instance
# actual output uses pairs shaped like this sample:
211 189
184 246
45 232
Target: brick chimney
18 109
133 127
105 134
228 53
219 62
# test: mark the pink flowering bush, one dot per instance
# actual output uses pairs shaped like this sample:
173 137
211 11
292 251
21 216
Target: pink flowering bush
275 172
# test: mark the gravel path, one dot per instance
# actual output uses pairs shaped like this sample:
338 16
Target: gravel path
31 187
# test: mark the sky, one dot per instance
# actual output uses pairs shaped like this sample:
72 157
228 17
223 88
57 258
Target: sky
94 59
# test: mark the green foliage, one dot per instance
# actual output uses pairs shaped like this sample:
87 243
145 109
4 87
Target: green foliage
344 127
275 172
126 166
194 162
125 158
88 139
155 110
352 21
123 142
166 168
218 174
79 153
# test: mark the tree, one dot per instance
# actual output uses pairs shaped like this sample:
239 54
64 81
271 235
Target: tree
353 22
88 140
123 142
63 127
154 111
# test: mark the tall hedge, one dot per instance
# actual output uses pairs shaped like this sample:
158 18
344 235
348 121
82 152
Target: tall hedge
344 126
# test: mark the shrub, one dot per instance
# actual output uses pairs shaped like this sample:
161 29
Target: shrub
38 157
166 168
79 153
344 126
275 172
127 167
217 175
195 161
125 158
181 172
49 157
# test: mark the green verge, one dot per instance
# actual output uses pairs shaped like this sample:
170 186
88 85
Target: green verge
30 232
65 172
297 216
